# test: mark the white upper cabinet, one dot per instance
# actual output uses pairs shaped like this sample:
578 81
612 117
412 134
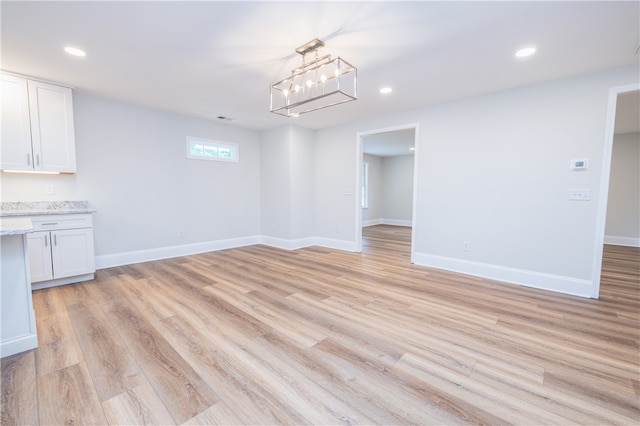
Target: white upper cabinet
37 126
16 128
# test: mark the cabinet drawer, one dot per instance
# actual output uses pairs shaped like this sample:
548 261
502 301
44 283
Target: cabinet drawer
55 222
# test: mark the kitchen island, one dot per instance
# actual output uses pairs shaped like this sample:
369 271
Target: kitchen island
18 327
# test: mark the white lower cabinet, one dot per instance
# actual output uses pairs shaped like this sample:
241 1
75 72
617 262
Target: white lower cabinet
61 250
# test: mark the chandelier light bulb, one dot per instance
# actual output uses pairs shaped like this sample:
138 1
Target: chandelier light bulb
318 83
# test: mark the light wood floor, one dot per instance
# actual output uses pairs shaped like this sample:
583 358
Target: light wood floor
258 335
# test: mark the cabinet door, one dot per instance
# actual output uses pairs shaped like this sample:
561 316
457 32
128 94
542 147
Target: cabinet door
52 131
16 150
73 252
40 263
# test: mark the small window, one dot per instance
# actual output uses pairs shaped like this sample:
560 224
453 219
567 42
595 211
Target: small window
207 149
365 185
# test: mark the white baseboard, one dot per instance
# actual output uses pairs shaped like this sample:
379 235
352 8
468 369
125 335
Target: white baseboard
622 241
287 244
336 244
395 222
128 258
138 256
371 222
558 283
18 344
61 281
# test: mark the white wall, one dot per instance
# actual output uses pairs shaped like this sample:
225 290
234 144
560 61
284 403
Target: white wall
275 182
287 180
493 171
623 207
302 184
390 190
397 189
132 169
373 214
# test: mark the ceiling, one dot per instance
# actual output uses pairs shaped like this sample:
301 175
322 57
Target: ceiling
390 144
627 113
212 58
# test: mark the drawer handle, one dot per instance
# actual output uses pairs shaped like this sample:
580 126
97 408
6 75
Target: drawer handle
55 240
50 224
46 241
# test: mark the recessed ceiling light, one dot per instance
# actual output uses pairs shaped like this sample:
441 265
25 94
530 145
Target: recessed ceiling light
413 148
527 51
74 51
386 90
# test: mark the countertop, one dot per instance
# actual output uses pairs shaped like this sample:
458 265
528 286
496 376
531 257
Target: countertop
37 208
15 226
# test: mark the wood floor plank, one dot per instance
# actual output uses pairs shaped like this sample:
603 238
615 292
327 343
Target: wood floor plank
179 387
139 405
67 396
224 364
113 369
57 341
218 414
19 397
259 335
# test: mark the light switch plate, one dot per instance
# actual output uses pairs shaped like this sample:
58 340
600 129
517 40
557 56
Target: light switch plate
580 194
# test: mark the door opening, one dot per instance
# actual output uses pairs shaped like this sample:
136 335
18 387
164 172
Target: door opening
612 114
386 183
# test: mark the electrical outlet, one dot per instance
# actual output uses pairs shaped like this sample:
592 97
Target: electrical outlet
49 189
580 194
181 233
466 246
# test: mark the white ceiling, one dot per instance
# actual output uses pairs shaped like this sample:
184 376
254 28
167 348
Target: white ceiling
210 59
390 144
628 113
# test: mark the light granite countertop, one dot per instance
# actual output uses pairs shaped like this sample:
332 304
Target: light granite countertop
36 208
15 226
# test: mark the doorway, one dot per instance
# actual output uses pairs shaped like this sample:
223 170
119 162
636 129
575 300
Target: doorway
622 119
386 179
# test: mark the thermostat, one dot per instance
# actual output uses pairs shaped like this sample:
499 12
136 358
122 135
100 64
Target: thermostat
581 164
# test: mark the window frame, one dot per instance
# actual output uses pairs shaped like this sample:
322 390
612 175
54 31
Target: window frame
365 184
211 143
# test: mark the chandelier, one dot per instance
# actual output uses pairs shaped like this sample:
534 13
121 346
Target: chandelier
320 83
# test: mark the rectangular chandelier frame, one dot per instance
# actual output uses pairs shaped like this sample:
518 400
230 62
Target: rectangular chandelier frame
319 84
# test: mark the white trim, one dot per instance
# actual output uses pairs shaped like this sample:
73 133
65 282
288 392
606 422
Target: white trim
397 222
541 280
601 218
622 241
338 244
18 344
288 244
138 256
394 222
359 160
61 281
